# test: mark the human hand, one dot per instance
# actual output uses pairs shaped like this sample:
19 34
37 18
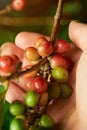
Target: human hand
77 33
71 113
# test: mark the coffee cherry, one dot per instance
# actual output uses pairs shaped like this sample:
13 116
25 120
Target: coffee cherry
31 54
60 74
65 90
29 83
59 60
39 41
61 46
31 98
53 90
17 108
43 99
46 121
15 58
19 5
8 64
40 84
45 49
17 124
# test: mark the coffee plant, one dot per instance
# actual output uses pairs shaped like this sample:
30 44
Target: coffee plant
52 66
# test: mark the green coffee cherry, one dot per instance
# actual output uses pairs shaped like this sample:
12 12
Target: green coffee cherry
17 124
17 108
46 121
65 90
60 74
53 90
31 98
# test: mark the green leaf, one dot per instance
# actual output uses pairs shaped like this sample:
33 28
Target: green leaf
7 116
3 89
6 36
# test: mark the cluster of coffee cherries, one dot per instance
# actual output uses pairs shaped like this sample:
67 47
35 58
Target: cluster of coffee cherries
48 82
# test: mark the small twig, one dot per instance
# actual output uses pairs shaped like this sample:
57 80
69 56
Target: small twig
6 10
21 73
57 19
35 67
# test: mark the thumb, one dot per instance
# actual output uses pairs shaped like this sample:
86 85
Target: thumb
78 34
81 91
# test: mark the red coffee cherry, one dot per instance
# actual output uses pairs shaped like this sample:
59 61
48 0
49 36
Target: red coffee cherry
19 5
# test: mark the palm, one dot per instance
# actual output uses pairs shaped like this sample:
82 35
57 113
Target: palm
64 110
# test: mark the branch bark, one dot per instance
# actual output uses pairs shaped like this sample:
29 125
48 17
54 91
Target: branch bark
57 19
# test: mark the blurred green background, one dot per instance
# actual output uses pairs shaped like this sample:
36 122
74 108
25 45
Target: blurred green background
38 17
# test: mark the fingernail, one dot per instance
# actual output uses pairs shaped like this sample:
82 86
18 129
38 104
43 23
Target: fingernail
81 20
76 20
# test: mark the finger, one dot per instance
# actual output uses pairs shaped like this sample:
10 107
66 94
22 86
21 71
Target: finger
60 107
78 34
14 92
74 53
81 90
10 48
26 39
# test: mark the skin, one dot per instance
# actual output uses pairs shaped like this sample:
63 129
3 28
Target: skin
69 114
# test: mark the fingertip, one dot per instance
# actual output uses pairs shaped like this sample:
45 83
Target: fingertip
74 29
13 92
81 90
26 39
78 34
9 48
71 29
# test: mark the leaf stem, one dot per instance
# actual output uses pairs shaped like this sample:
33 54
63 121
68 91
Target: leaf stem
57 19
